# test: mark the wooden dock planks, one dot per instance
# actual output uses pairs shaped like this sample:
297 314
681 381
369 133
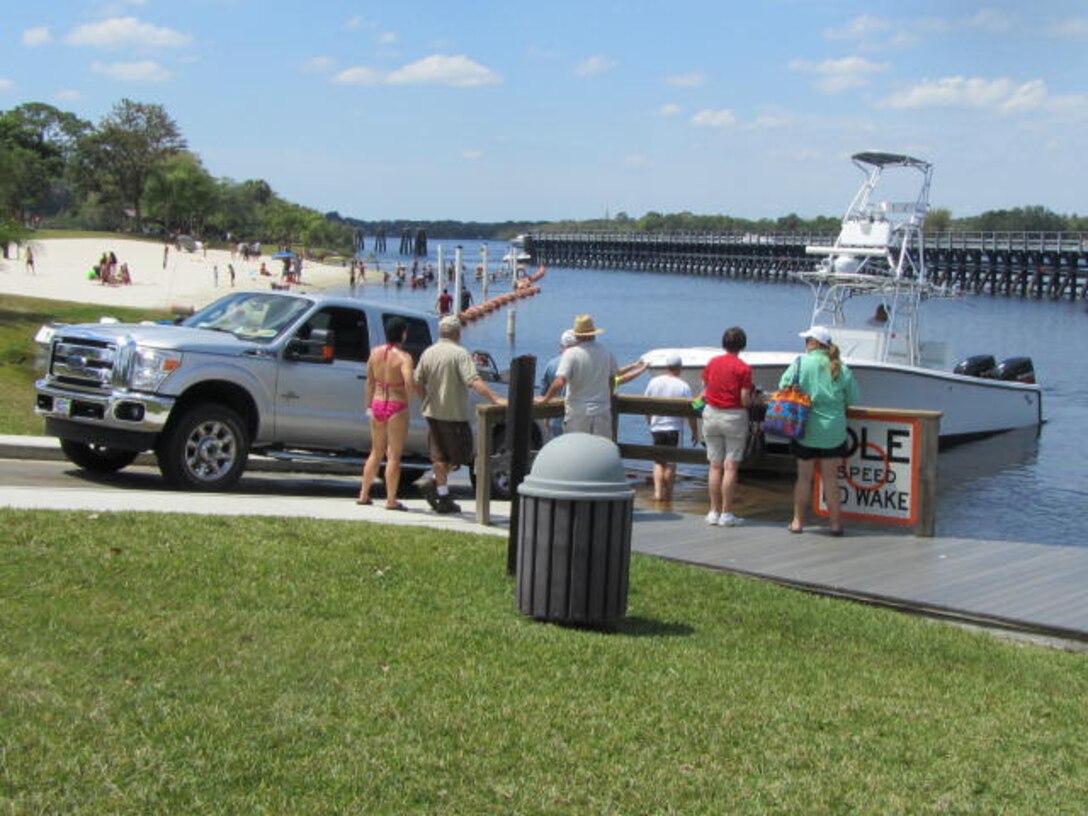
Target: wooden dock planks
1030 587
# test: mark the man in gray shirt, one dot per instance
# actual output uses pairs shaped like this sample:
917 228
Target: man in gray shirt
588 370
443 377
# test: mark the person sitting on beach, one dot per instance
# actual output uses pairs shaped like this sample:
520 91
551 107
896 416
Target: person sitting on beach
123 276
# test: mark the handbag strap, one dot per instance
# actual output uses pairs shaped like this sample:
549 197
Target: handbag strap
797 372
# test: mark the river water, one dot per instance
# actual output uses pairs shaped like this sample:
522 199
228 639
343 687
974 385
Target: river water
1022 486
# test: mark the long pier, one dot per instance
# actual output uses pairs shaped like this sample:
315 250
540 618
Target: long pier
1022 264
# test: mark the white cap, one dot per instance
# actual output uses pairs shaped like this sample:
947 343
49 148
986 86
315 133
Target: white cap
674 361
567 339
821 334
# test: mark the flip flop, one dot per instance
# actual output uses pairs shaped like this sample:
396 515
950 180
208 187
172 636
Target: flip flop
835 533
363 501
795 530
396 506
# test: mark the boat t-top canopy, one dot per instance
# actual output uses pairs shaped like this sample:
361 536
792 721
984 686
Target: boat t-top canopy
880 159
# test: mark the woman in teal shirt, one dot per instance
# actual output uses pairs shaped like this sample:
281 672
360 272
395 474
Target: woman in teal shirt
827 380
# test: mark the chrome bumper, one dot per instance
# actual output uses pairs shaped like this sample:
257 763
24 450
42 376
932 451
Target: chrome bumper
116 410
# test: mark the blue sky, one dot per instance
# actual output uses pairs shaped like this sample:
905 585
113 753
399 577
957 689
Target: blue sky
494 111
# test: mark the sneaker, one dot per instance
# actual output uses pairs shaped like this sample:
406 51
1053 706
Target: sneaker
712 517
446 505
430 492
729 520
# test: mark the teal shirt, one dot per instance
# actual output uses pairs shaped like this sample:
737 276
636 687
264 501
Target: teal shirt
826 426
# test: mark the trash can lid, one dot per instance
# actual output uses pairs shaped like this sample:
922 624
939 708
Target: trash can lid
577 466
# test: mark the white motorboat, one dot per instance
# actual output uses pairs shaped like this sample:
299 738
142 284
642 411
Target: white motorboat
878 256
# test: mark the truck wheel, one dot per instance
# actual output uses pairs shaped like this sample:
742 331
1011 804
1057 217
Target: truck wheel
205 449
500 476
96 458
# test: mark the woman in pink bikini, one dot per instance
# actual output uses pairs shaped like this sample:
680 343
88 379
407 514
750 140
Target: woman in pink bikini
388 389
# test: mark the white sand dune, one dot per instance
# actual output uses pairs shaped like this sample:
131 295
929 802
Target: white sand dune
187 281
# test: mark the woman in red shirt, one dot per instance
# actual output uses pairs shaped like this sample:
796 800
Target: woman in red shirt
728 392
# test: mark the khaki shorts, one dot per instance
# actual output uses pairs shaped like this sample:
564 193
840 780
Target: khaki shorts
725 431
599 424
450 442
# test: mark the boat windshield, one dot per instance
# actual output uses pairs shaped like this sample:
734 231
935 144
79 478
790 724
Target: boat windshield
249 315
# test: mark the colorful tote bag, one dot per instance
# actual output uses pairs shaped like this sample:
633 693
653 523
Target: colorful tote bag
788 408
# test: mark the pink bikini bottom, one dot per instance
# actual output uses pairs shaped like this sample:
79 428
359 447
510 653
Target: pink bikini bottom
384 410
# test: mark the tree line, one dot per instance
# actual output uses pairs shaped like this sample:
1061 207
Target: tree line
133 171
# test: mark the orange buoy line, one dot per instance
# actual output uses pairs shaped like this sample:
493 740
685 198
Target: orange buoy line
525 287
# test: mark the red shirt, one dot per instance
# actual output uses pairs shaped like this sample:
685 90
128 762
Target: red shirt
725 376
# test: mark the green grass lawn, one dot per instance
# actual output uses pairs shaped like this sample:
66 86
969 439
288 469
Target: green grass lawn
176 664
20 360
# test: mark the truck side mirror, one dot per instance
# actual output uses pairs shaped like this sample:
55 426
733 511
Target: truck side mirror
486 366
317 348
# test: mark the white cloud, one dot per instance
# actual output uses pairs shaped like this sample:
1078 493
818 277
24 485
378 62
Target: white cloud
594 65
714 118
636 160
141 71
359 22
1074 27
770 120
862 27
126 32
991 21
695 79
472 155
455 72
388 38
37 36
669 110
67 95
6 84
360 75
1000 95
438 69
318 65
835 75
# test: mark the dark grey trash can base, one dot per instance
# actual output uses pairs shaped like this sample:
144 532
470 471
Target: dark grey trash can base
574 534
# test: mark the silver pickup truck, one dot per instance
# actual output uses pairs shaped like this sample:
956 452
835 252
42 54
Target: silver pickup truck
274 373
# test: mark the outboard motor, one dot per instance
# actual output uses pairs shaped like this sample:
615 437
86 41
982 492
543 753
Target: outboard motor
981 365
1019 369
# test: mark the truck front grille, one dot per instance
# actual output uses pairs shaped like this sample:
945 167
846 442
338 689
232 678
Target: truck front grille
83 363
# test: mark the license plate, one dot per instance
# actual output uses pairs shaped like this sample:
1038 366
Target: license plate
62 406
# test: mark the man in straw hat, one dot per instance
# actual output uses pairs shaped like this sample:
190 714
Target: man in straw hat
443 377
588 371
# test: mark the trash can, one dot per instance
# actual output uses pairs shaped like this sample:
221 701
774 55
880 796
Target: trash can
574 533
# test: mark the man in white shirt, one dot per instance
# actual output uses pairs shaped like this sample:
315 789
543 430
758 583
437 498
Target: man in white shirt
666 430
588 370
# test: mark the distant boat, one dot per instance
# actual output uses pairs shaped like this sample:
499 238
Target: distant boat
879 255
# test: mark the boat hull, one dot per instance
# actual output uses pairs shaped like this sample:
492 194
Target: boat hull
971 407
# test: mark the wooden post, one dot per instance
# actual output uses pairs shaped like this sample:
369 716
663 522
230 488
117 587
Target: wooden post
927 520
519 420
485 429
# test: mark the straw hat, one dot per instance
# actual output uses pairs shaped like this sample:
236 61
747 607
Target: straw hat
583 326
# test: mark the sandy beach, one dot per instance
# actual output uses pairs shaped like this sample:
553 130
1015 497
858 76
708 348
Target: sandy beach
188 280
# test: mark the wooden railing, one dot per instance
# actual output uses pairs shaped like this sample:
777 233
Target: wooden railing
924 424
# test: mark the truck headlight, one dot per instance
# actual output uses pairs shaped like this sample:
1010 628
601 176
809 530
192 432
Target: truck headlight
150 367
